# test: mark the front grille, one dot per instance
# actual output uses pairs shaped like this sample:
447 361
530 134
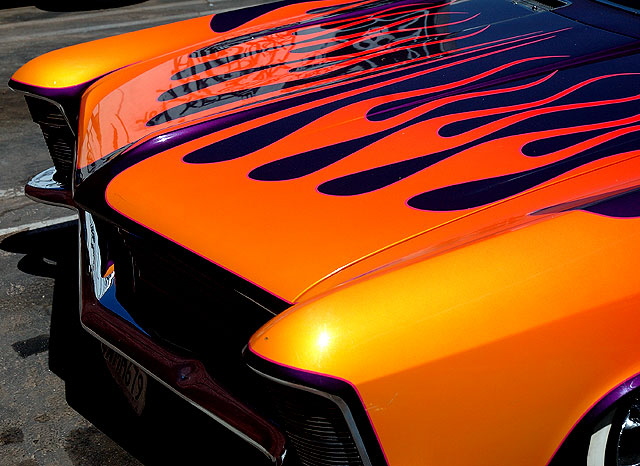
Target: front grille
57 134
316 428
197 309
185 303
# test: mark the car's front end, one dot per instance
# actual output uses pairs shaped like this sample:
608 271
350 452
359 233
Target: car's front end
367 232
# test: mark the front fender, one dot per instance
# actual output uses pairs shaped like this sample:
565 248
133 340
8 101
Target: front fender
492 351
80 64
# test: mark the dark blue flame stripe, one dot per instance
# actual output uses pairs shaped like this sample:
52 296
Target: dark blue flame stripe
380 177
614 87
386 175
626 205
579 74
309 162
482 192
378 7
560 118
342 76
546 146
322 43
255 139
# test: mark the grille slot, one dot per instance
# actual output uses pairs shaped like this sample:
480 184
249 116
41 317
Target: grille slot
57 134
316 428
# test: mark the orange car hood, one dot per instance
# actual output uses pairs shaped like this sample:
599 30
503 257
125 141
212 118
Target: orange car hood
302 155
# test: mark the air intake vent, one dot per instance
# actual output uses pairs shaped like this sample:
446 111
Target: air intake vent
57 134
316 428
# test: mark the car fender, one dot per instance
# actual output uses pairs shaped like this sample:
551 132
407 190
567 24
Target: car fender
80 64
513 337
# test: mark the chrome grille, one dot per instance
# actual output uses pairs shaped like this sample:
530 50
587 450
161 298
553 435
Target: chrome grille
185 303
316 428
58 136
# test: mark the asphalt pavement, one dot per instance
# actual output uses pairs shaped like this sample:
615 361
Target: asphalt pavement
37 242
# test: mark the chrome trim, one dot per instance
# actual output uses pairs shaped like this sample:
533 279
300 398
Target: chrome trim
43 188
93 253
51 101
344 408
275 460
100 284
44 180
257 303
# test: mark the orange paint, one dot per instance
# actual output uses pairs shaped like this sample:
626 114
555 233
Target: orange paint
503 340
479 332
84 62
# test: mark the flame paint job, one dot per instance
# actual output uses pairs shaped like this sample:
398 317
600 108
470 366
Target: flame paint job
447 190
449 115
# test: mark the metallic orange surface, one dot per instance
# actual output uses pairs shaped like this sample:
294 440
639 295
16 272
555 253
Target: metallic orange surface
118 109
84 62
425 211
264 231
510 338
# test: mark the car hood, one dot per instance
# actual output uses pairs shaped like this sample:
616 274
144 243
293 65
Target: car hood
301 154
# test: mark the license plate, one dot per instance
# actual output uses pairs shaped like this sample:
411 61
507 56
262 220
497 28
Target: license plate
129 376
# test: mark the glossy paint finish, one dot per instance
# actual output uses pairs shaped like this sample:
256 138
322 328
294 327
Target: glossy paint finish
82 63
395 179
297 54
447 190
513 337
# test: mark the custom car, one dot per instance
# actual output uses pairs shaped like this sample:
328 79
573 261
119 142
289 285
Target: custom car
365 232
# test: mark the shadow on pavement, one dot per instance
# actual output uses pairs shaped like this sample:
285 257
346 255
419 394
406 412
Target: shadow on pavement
169 431
68 5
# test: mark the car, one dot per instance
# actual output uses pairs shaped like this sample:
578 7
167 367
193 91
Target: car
364 232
